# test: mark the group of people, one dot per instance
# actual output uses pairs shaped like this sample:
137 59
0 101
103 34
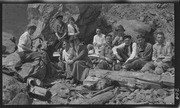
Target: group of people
114 52
74 55
122 52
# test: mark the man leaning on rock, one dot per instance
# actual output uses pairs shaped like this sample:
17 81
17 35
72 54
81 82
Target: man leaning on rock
25 50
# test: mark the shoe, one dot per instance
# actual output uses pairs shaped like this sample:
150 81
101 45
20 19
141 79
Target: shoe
18 68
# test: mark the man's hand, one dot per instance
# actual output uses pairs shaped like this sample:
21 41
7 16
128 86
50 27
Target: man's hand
119 58
70 61
164 60
98 45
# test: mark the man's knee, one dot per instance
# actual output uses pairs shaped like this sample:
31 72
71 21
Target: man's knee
148 66
158 70
102 65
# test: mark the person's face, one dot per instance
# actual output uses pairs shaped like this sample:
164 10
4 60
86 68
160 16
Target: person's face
108 39
140 41
98 31
127 41
31 31
160 38
71 21
65 44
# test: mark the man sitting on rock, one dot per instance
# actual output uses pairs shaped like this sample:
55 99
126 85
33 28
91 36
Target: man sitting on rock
127 51
162 55
106 54
25 47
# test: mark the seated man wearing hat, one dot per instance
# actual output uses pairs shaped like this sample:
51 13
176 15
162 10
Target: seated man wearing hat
106 54
119 33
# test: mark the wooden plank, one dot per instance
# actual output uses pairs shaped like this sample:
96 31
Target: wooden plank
128 77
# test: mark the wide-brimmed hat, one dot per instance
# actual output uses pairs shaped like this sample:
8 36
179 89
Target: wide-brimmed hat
120 28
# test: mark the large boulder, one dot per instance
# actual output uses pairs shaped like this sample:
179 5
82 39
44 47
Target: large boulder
11 60
10 46
158 17
10 88
134 27
87 18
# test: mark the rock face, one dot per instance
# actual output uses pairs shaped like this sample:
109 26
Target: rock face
134 27
10 46
159 16
88 18
11 60
10 88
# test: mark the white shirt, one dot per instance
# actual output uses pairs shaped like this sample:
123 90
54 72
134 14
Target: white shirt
99 39
66 55
134 50
71 29
25 41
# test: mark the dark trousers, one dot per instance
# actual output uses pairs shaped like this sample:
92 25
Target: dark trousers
137 64
121 52
27 56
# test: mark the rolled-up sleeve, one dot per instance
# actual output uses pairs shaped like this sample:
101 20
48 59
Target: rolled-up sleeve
94 40
154 55
134 51
114 49
168 55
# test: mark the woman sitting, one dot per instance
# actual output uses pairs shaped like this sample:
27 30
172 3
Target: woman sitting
81 62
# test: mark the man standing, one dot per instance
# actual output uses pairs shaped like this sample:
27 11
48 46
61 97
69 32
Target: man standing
99 40
144 54
162 55
61 32
106 54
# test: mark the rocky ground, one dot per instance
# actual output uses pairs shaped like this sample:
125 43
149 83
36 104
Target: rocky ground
123 90
112 87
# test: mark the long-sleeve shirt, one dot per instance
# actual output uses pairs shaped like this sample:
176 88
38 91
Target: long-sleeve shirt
72 30
145 52
132 54
100 40
24 41
164 51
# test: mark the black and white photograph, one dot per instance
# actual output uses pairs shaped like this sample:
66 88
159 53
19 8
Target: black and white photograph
88 53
